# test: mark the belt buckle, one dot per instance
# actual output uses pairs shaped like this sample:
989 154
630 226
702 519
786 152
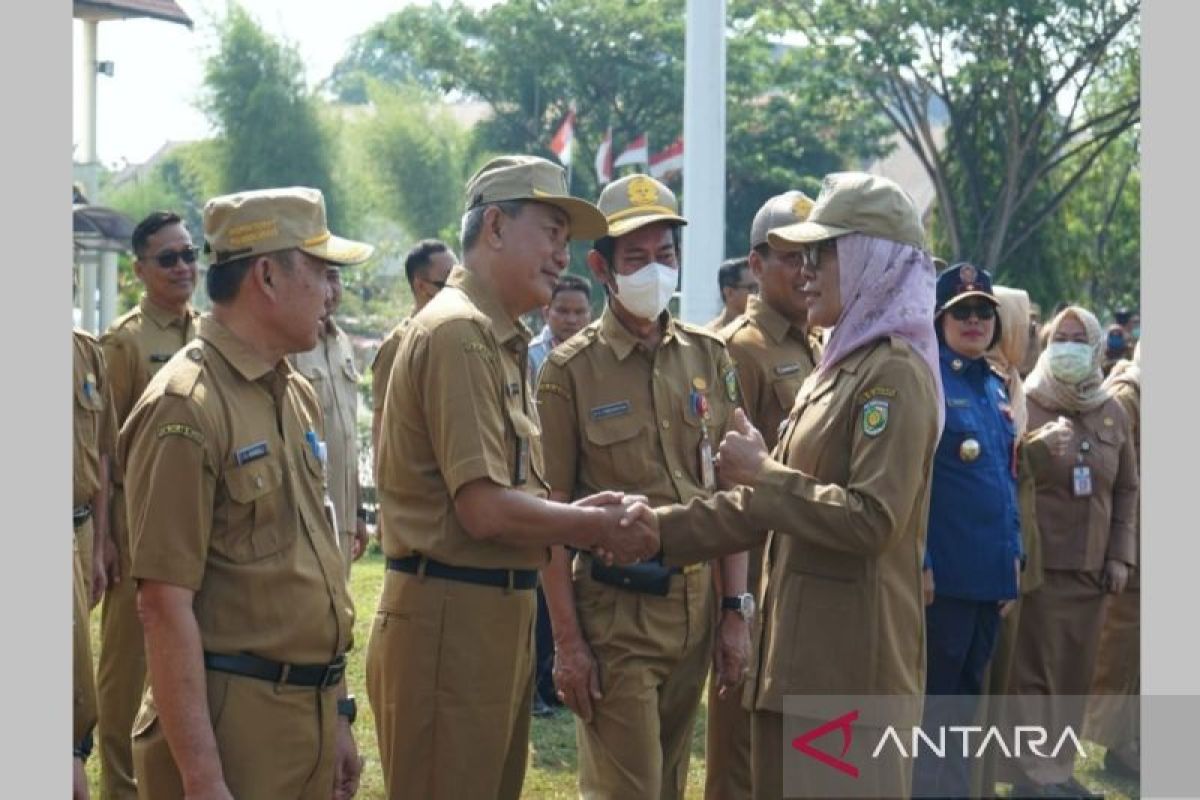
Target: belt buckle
333 672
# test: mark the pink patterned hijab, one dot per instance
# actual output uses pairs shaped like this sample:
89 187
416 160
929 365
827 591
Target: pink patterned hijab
887 290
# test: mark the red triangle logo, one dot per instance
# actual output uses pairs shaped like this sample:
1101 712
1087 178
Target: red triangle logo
844 724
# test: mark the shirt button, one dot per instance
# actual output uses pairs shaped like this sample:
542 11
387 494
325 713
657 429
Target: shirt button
666 423
258 482
677 474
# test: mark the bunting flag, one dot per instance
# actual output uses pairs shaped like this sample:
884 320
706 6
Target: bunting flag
667 160
604 160
564 139
637 152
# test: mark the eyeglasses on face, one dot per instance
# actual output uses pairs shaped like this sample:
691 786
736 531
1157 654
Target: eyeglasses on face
169 258
963 311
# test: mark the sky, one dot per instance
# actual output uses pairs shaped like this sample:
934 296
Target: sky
159 67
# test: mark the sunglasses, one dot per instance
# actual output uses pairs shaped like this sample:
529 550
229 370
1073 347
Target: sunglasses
963 311
170 258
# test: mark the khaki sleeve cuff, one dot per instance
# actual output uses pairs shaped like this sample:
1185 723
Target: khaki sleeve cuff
472 469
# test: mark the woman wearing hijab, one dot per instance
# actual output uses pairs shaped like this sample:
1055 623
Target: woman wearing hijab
844 496
1086 510
1112 720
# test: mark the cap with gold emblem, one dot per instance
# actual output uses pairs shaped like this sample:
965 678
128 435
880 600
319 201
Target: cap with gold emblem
855 202
636 201
269 220
781 210
532 178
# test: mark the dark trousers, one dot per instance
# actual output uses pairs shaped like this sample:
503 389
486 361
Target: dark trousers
543 661
960 637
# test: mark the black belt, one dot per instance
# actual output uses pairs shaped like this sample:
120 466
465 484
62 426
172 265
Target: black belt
81 514
501 578
322 675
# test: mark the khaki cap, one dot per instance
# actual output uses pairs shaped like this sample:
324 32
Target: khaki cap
855 202
269 220
533 178
636 201
781 210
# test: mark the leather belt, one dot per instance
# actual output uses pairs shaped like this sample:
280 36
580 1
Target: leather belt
246 665
500 578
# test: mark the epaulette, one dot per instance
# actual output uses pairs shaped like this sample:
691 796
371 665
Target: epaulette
700 330
185 372
734 325
575 345
87 336
131 315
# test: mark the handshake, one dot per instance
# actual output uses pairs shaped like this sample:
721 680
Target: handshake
623 528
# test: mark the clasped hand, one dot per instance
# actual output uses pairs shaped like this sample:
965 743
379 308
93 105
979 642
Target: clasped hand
628 530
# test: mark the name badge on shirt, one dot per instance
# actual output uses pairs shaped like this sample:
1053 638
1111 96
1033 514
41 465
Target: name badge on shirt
251 452
610 410
787 369
1081 480
521 472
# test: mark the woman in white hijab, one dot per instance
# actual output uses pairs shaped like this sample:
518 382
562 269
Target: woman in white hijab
1085 468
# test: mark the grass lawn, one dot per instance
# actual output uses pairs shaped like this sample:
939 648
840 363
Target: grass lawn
551 773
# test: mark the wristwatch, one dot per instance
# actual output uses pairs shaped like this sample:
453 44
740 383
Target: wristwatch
741 603
348 708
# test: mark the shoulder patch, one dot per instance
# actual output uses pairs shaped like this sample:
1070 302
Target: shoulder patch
876 391
574 346
179 429
731 384
875 417
549 387
185 372
480 349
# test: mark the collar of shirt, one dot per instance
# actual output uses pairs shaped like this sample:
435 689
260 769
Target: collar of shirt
504 328
622 342
239 354
974 368
543 337
163 318
774 324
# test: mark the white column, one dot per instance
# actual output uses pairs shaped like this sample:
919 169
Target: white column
108 288
87 291
87 84
703 159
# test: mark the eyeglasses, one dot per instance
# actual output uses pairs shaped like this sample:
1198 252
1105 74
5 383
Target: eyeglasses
963 311
170 258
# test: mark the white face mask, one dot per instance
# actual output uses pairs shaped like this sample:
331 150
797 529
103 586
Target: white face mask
1070 362
645 293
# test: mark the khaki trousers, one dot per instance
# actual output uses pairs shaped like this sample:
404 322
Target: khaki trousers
1111 720
653 654
450 681
727 762
84 679
274 741
121 673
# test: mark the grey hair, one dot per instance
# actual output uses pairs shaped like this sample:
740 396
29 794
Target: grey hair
472 221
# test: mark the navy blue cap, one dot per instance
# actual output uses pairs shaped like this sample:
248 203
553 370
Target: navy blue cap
961 281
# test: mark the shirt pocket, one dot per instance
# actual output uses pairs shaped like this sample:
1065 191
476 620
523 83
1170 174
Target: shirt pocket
617 446
254 524
1107 451
785 390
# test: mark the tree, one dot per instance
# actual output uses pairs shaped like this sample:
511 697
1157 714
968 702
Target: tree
268 123
1019 83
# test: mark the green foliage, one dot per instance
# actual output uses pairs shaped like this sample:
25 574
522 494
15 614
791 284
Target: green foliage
269 126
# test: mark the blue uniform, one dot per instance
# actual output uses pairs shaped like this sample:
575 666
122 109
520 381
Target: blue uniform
974 522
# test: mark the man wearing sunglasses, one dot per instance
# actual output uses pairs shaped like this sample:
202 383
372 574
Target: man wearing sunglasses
973 552
136 346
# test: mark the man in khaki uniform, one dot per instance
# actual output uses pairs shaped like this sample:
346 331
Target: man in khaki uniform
426 268
94 442
736 285
330 369
465 525
637 402
136 346
774 352
845 494
241 586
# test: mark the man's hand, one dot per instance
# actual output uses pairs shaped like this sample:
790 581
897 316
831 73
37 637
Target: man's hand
1056 435
358 545
731 655
347 764
79 784
1116 575
742 453
98 579
110 562
629 534
576 676
927 584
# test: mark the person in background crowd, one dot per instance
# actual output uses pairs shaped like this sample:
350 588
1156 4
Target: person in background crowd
1086 506
569 312
736 284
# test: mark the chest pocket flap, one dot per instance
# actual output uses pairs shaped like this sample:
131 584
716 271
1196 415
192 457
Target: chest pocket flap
254 528
611 430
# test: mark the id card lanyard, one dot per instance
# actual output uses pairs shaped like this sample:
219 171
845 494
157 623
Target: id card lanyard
1081 473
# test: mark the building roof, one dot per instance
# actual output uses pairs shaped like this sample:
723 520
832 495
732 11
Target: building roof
165 10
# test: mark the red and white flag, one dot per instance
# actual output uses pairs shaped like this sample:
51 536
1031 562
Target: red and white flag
637 152
667 160
564 140
604 160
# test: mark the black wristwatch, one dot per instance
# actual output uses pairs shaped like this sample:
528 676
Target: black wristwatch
348 708
743 604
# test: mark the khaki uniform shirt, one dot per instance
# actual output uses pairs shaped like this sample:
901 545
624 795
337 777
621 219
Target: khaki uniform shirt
226 498
381 367
620 417
136 346
95 426
721 320
458 409
847 497
1080 533
330 369
773 358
